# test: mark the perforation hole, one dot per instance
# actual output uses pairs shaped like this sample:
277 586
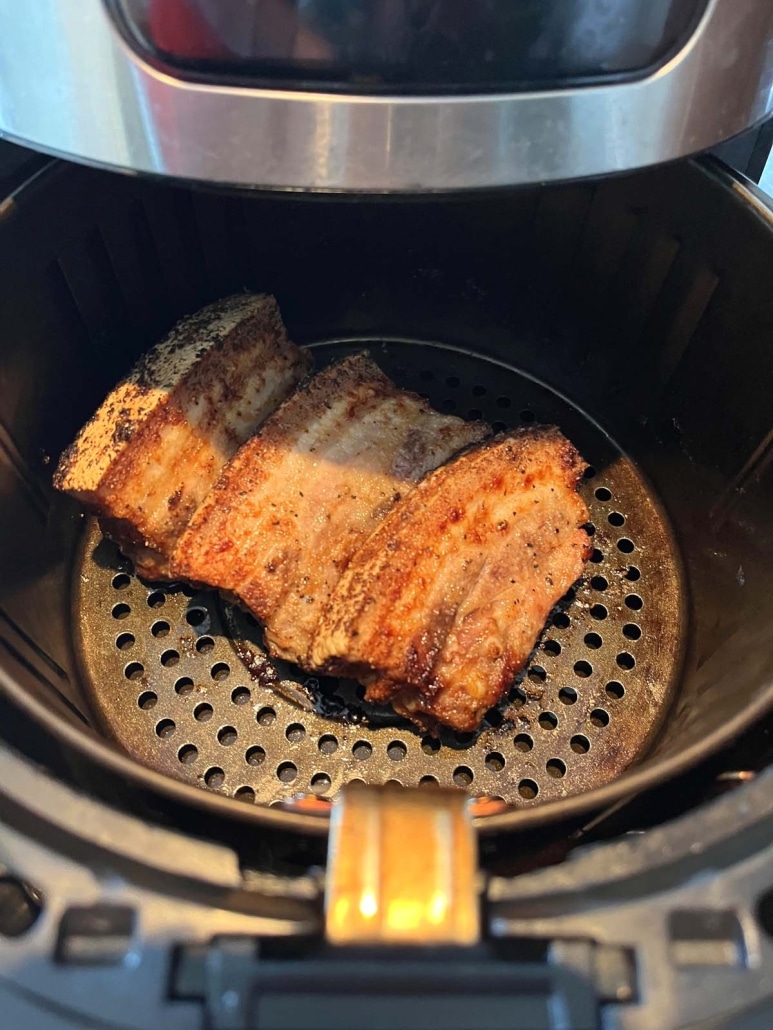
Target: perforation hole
156 599
121 581
631 631
124 641
160 628
463 776
596 556
552 647
187 754
555 768
287 772
499 426
226 736
527 415
430 745
495 762
362 750
567 695
523 742
255 756
528 790
634 602
205 644
475 414
134 670
295 733
165 728
170 658
494 717
548 720
599 583
320 783
590 473
616 519
603 494
632 574
583 669
599 717
478 390
429 781
120 611
241 696
579 744
464 739
220 671
245 794
203 712
537 674
593 641
328 744
625 660
266 716
397 751
615 690
561 620
599 612
184 686
625 546
147 700
214 777
196 616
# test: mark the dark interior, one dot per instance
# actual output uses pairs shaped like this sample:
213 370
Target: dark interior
644 299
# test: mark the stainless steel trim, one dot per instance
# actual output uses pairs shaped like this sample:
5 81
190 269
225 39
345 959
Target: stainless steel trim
69 85
766 182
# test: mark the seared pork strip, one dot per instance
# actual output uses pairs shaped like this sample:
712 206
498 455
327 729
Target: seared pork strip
297 500
442 605
150 454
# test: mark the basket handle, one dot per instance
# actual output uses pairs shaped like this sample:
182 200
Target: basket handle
402 868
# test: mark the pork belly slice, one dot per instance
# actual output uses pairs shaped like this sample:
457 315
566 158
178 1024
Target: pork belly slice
442 605
297 500
153 450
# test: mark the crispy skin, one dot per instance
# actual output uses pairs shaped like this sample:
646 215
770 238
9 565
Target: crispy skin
293 505
150 454
443 604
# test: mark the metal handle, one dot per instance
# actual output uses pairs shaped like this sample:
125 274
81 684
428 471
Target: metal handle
402 868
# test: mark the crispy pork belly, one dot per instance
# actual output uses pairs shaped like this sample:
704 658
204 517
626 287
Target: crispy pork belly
155 447
443 604
297 500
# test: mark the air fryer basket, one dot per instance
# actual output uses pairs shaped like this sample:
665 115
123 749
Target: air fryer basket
633 312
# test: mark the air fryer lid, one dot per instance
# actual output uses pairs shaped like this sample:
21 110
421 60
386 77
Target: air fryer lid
641 312
380 95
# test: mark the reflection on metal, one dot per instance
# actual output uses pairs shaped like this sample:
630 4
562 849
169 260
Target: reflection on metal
70 85
401 868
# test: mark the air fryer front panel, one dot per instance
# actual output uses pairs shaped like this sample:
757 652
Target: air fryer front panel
78 80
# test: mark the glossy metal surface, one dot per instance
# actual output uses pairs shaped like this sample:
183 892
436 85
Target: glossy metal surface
70 85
